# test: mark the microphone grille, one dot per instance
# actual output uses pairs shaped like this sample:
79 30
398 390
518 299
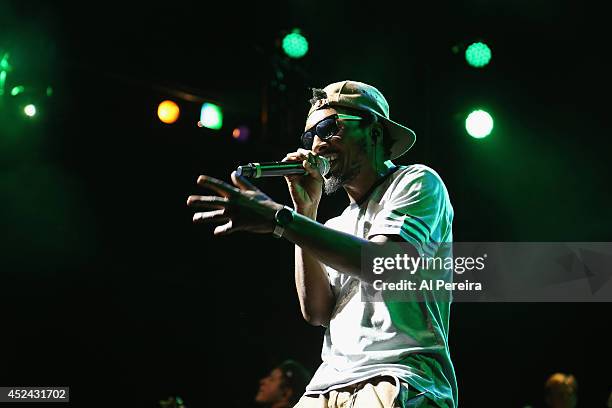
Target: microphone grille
323 165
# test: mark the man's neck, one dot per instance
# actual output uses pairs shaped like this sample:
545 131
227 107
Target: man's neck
361 184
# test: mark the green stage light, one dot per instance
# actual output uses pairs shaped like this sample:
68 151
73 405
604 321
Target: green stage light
478 54
30 110
17 90
2 81
295 44
5 67
4 64
211 116
479 124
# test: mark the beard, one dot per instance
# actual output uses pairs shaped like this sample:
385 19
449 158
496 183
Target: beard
332 184
339 178
334 181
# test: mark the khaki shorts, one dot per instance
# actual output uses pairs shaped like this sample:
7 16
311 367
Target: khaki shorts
378 392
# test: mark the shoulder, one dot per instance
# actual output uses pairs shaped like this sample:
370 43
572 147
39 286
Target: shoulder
417 176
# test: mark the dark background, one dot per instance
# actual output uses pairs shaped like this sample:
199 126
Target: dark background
108 288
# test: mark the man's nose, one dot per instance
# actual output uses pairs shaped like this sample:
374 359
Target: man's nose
319 146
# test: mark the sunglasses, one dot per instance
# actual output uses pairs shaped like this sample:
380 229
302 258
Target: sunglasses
325 129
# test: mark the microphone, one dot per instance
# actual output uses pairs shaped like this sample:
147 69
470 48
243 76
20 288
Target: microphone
272 169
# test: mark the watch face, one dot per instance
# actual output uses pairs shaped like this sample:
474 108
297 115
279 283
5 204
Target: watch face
284 216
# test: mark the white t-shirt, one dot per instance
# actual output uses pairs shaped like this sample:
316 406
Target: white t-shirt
406 340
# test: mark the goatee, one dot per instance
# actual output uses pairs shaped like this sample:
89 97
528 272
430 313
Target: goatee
334 181
332 184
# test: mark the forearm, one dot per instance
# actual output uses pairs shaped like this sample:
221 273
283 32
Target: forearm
336 249
312 285
342 251
313 288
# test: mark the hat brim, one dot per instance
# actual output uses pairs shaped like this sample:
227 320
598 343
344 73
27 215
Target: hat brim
403 137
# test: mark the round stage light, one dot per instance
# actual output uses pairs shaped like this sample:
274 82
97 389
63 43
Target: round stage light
168 112
211 116
30 110
295 44
478 54
241 133
479 124
17 90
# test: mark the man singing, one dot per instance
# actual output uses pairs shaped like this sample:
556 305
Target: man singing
375 353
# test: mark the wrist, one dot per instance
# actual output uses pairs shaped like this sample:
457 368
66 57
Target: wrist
282 218
310 212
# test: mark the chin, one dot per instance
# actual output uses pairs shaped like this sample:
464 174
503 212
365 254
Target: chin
332 184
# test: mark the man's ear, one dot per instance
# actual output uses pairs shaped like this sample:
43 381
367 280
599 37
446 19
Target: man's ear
376 133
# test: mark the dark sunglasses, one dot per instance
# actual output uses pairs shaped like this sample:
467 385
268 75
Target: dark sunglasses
325 129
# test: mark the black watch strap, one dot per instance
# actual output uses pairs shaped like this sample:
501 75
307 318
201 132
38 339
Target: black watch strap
282 218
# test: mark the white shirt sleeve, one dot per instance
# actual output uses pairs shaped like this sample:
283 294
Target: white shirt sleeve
415 209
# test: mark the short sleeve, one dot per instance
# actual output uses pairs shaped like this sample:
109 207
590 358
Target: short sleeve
417 209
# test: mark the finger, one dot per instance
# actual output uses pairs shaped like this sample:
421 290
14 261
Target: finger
225 229
222 188
207 201
297 156
210 216
292 158
312 157
305 152
312 170
292 178
242 182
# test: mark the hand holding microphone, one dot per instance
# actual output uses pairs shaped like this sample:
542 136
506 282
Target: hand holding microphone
303 172
282 168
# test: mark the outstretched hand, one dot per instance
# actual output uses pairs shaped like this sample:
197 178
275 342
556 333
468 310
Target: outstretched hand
241 207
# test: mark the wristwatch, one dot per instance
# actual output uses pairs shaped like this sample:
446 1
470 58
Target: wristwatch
282 218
